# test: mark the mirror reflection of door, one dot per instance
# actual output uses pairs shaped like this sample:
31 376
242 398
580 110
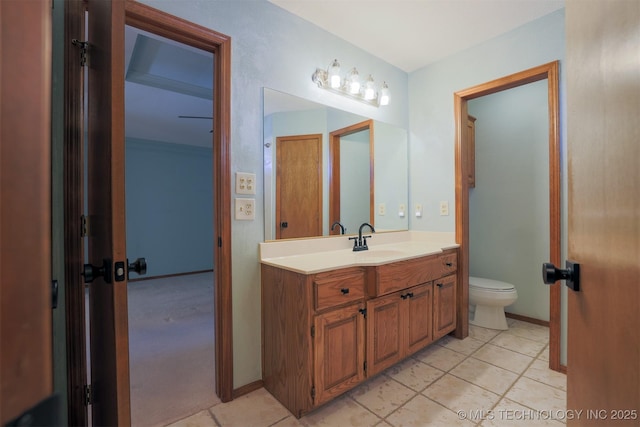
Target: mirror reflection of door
351 176
298 186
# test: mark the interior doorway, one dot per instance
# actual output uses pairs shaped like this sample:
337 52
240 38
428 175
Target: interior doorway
550 73
108 302
169 210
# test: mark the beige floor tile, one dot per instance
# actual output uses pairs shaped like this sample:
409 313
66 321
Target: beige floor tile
460 395
290 421
508 413
482 334
256 409
422 412
545 354
383 423
381 395
503 358
530 331
440 357
414 374
537 395
201 419
519 344
465 346
539 371
342 411
480 373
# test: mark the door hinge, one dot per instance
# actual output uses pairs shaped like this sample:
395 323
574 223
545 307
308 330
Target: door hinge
84 226
313 392
84 51
219 242
313 332
88 395
364 366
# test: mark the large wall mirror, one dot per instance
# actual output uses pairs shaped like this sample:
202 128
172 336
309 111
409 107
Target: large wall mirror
298 175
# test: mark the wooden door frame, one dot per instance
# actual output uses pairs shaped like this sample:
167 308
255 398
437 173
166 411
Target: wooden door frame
169 26
166 25
334 170
547 71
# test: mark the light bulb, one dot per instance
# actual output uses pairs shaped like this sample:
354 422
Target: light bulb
384 94
334 74
369 89
354 82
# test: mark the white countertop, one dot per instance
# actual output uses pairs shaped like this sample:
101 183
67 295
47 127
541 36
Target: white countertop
315 255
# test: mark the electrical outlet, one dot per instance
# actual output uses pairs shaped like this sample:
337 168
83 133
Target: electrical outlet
418 210
245 183
444 208
382 209
245 209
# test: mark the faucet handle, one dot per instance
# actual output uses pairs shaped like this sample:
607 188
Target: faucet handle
364 240
355 241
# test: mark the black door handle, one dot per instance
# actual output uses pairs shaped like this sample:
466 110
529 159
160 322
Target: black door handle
551 274
91 272
138 266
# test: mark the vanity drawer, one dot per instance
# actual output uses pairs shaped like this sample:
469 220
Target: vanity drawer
404 274
448 263
338 287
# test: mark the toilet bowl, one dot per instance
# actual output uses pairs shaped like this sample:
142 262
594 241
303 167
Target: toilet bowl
489 298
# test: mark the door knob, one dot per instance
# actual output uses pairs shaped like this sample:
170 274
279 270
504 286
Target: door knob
139 266
551 274
91 272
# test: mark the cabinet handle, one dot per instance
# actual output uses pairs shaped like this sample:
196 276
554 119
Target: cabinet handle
344 290
407 295
439 285
448 264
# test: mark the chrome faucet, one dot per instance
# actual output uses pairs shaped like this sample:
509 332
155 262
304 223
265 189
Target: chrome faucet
360 242
342 228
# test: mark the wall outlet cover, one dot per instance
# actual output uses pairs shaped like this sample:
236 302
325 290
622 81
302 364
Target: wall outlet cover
245 209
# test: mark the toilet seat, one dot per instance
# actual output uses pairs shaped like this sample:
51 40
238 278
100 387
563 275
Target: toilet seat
490 285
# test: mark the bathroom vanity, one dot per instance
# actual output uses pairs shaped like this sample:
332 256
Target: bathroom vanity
332 317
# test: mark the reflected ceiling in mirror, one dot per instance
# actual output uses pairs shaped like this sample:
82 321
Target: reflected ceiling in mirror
290 117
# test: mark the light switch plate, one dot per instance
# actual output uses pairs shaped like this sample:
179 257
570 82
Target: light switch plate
245 183
444 208
382 209
245 209
418 211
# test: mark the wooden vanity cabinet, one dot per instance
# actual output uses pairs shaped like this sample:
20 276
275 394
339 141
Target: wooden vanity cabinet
317 342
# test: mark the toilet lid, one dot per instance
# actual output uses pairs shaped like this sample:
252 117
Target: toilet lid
496 285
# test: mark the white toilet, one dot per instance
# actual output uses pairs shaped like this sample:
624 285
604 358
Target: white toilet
490 297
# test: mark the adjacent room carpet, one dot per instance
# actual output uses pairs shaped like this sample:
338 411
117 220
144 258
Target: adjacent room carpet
171 348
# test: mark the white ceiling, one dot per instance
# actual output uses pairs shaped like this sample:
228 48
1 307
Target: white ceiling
413 33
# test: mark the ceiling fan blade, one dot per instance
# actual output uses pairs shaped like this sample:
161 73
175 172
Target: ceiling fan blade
195 117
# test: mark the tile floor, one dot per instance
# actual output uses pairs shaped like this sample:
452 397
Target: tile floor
491 378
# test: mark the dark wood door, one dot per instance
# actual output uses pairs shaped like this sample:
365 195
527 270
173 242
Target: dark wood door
298 186
106 210
25 209
603 103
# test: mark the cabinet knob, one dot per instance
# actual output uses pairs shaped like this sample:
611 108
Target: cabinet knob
344 290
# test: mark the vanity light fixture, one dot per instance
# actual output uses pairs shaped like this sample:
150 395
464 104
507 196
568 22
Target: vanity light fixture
350 86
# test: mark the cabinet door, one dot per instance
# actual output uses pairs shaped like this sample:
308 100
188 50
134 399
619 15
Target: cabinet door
444 306
418 328
339 352
384 326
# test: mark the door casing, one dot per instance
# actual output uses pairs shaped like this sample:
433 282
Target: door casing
547 71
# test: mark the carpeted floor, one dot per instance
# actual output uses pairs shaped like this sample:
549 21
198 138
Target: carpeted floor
171 348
